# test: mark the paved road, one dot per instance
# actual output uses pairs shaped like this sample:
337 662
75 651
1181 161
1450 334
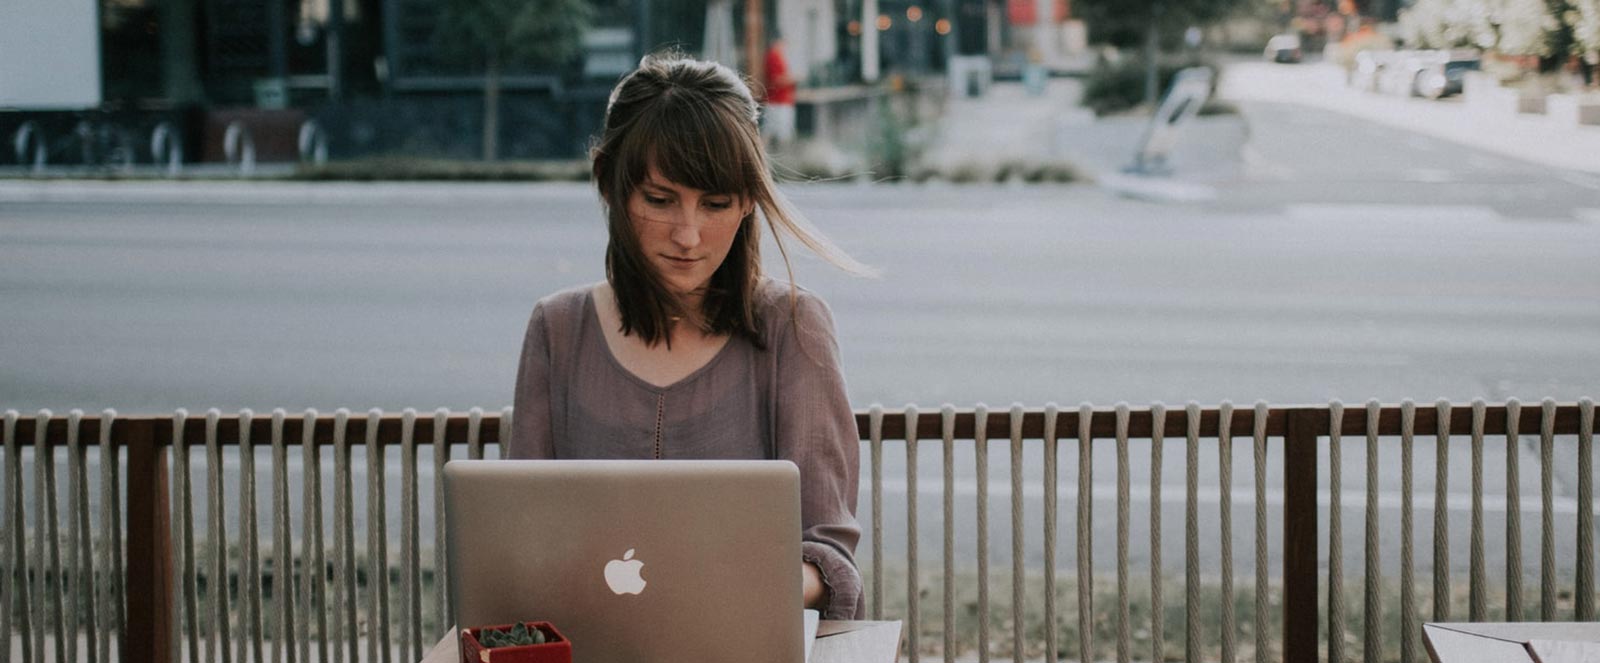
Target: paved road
1343 261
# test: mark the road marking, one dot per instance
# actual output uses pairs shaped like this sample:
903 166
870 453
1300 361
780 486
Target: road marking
1106 493
1428 175
1580 179
1390 213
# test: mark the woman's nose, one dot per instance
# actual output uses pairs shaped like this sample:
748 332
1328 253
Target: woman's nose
686 233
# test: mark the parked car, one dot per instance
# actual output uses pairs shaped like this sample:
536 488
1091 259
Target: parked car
1439 74
1369 69
1431 74
1283 48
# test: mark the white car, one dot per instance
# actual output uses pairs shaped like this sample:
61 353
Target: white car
1283 48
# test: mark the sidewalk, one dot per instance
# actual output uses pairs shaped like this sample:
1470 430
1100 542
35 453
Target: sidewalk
1526 137
1007 125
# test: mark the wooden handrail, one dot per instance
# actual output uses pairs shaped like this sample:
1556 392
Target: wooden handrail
149 576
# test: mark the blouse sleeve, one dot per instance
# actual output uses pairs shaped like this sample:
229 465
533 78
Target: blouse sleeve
816 429
531 437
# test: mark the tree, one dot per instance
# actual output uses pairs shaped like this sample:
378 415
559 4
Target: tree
1523 27
1123 22
1584 18
1447 24
505 34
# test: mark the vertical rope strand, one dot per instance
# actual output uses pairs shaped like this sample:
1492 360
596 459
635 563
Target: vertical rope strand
1051 457
913 578
250 541
1191 542
1336 609
474 434
344 576
980 452
1017 651
283 564
441 574
1225 509
17 597
1263 591
1478 584
377 548
947 431
1408 605
1585 579
411 621
1513 513
79 580
1124 628
181 468
314 573
109 525
1372 614
1547 530
1085 532
875 424
1158 619
52 535
1441 513
40 571
216 543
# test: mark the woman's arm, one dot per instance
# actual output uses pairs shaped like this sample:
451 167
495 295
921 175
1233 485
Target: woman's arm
531 437
816 430
813 591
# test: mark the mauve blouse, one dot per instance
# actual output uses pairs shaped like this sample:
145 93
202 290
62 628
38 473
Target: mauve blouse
575 400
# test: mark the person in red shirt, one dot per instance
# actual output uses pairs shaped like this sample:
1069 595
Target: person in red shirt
779 115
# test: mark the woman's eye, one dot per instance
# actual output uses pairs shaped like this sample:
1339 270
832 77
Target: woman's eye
655 201
721 205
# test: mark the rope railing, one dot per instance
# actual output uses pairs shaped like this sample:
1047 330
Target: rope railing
210 587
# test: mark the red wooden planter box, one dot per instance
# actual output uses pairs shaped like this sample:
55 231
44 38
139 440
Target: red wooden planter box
556 649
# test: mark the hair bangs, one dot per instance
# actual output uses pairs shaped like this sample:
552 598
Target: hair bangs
689 142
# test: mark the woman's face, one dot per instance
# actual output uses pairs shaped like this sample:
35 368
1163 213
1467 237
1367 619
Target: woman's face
685 233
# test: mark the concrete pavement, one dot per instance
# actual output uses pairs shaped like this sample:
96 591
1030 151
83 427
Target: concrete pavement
1528 137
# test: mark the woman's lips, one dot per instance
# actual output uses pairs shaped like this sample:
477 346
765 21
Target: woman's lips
681 262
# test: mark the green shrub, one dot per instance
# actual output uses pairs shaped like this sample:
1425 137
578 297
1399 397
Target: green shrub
1118 87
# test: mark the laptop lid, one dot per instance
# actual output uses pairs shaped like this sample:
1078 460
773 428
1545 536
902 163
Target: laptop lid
634 561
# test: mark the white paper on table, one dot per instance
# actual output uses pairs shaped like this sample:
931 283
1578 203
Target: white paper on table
812 618
1564 651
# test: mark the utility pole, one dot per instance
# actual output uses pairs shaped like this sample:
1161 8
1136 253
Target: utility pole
755 39
869 41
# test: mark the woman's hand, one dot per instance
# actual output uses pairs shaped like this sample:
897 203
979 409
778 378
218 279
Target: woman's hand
814 592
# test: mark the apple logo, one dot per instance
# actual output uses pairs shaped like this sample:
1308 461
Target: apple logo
622 575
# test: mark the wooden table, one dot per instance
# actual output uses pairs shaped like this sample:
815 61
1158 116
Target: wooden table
837 642
1503 642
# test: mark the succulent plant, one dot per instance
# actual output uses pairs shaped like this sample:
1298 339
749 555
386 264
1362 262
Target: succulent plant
517 636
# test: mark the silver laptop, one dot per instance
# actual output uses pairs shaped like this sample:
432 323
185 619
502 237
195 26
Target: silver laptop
634 561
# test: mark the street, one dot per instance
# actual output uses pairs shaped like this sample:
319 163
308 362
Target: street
1341 259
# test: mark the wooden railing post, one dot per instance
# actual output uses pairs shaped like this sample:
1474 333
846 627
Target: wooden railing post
1301 428
149 571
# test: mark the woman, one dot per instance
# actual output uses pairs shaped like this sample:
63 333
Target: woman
686 350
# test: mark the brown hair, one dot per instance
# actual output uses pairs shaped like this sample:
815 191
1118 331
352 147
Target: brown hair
695 121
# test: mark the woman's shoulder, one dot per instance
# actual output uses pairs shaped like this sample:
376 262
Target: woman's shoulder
563 305
791 312
782 302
